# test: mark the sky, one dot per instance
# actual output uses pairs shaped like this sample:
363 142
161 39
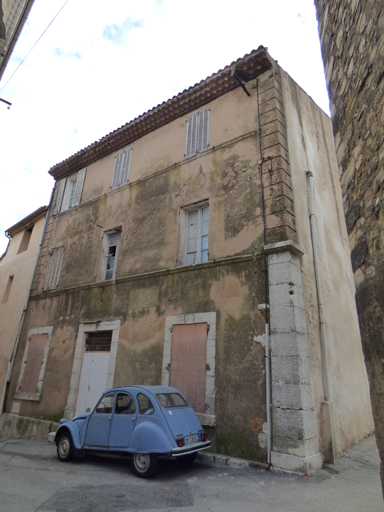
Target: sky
101 64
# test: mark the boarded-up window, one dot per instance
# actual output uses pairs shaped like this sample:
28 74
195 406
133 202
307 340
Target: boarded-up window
188 362
121 170
35 358
54 268
69 192
197 132
196 237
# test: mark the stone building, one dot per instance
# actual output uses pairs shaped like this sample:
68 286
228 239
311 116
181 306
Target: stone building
13 14
352 40
17 266
176 243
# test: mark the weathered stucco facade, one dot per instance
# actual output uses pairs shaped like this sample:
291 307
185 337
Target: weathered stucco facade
121 262
352 39
17 266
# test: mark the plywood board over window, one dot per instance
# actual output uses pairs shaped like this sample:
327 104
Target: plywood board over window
188 363
189 360
32 372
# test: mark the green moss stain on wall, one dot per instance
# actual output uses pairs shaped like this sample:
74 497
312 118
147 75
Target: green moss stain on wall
139 366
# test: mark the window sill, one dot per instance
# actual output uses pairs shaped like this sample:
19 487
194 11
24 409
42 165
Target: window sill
28 396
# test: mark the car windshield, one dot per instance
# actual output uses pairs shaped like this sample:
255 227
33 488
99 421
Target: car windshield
171 400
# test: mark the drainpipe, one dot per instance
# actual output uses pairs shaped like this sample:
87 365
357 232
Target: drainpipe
267 352
327 404
14 351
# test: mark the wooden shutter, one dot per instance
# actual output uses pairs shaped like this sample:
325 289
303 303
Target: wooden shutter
121 170
203 130
79 186
191 141
54 269
59 195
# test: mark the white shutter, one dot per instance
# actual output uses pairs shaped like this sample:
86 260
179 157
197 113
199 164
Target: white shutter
121 170
79 186
59 195
54 268
203 129
191 141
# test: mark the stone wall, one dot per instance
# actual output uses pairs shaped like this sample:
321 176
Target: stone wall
352 39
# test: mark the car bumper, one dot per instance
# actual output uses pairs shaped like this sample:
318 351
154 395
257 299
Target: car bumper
195 447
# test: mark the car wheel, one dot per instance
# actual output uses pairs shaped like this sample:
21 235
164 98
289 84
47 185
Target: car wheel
187 459
65 448
144 464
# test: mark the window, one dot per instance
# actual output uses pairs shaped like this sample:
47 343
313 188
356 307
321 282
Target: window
145 405
112 244
121 170
34 362
25 240
54 268
197 132
69 192
99 341
196 235
189 355
7 290
105 406
171 400
125 404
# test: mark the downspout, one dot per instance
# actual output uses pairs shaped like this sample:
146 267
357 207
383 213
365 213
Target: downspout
14 351
267 352
329 436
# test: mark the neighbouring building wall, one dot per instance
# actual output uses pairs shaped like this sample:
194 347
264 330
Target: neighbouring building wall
15 13
16 271
352 40
311 149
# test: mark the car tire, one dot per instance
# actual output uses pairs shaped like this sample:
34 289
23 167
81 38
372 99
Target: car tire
65 449
144 465
188 458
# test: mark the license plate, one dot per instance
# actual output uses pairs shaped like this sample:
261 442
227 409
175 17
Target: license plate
191 439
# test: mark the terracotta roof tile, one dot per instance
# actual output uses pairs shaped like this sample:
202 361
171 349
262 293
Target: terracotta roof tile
256 62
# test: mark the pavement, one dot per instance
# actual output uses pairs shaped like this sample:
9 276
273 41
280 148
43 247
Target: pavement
32 479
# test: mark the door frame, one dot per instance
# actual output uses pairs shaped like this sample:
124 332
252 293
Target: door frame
84 328
209 417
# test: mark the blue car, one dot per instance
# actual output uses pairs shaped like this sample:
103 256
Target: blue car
143 422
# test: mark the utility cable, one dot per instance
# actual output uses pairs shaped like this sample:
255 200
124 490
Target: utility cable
6 83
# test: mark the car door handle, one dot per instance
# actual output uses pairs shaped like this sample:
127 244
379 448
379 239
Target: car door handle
133 419
109 418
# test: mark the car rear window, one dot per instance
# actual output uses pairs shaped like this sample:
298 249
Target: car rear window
171 400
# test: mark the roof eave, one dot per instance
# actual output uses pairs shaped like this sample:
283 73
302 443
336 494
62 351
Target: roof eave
256 62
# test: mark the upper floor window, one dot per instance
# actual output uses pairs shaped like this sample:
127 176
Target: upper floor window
111 248
121 170
54 268
196 235
197 132
25 240
69 192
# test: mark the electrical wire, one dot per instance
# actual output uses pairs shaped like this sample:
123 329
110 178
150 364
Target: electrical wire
62 7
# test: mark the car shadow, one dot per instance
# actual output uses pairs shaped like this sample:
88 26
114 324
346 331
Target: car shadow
167 468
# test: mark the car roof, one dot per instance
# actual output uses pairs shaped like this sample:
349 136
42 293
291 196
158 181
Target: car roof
153 390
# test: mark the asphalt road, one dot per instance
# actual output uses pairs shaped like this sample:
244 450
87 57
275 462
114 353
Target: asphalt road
33 479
